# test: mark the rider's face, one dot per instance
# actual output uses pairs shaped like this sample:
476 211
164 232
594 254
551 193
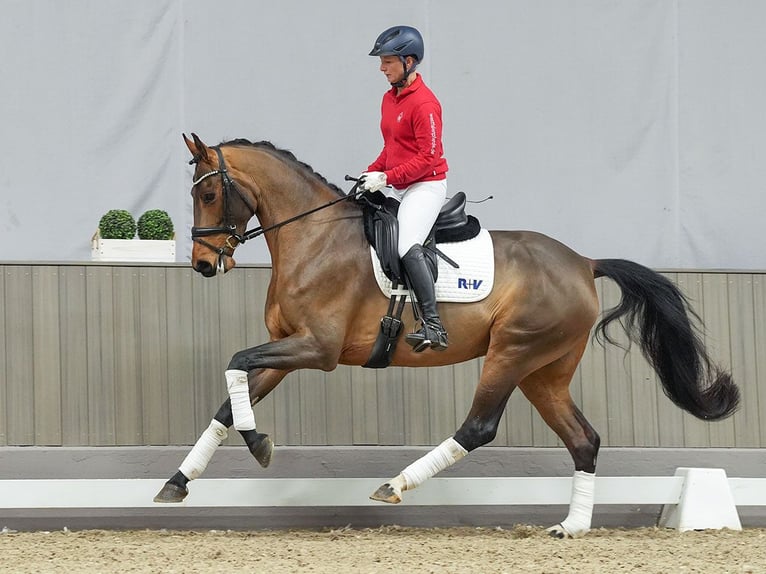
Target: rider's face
392 68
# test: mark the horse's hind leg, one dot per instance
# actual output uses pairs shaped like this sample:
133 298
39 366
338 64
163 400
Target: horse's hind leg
548 390
261 382
480 427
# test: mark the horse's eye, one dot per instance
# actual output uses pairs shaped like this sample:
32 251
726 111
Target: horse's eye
208 197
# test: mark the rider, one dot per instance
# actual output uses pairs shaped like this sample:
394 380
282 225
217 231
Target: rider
412 162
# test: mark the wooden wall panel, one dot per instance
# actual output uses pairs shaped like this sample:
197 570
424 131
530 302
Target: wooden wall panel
46 364
127 368
339 406
441 392
19 356
759 349
73 323
153 352
3 361
390 400
100 352
744 356
417 425
364 405
181 398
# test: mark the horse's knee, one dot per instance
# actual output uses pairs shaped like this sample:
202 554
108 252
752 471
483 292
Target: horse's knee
476 432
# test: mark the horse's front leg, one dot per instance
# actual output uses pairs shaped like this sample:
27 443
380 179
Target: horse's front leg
261 382
252 374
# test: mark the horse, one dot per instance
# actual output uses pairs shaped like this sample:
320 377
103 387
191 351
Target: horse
532 328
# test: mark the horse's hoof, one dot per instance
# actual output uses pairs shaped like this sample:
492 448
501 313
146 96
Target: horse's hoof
171 493
387 493
557 532
262 449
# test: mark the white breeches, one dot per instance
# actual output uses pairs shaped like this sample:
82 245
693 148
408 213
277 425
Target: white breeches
419 207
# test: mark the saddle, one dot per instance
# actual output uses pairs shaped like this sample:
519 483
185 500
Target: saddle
381 228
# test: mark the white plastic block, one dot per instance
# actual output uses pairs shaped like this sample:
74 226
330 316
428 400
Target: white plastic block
706 502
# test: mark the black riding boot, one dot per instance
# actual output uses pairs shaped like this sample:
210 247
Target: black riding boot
432 333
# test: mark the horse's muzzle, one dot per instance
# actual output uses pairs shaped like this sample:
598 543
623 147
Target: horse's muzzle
210 269
205 268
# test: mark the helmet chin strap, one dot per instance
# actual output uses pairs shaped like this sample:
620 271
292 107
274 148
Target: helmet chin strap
401 83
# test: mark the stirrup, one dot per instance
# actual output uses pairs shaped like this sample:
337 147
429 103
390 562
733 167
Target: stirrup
427 337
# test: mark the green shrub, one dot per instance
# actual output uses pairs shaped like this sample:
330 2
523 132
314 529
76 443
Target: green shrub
117 224
155 224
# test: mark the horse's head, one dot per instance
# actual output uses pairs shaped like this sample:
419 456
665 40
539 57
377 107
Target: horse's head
223 205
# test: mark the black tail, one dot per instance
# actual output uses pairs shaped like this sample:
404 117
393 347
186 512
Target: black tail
657 316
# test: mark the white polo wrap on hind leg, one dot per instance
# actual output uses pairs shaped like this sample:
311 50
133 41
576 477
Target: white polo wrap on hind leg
444 455
239 393
577 522
197 460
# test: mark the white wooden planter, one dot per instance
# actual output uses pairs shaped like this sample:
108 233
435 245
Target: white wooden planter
149 250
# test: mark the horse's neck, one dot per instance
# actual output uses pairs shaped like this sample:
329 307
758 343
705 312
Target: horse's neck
301 239
285 193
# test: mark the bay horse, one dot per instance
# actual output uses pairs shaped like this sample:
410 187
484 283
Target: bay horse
532 328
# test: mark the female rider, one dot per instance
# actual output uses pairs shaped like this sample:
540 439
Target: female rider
412 162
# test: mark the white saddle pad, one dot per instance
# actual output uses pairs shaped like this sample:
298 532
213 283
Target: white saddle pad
472 281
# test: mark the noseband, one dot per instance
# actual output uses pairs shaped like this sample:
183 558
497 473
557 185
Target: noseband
227 226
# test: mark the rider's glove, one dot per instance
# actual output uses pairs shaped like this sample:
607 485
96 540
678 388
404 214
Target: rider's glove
373 180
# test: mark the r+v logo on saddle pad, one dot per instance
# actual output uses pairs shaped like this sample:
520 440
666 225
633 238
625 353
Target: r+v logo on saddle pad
463 283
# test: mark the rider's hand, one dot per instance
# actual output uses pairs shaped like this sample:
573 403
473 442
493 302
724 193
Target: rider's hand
373 180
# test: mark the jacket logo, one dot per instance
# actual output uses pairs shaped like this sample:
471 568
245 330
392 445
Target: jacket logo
399 117
473 284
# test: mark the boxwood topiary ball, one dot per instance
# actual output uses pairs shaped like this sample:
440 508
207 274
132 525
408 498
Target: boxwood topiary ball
117 224
155 224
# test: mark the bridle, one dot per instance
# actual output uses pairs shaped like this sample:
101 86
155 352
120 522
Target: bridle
227 226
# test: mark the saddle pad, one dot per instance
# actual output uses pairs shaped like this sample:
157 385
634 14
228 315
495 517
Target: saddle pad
471 282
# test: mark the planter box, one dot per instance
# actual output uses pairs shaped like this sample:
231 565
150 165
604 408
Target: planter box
148 250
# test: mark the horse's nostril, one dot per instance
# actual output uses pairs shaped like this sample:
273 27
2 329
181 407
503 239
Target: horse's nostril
204 267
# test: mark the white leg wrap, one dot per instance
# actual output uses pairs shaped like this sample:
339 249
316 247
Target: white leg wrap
197 460
577 522
444 455
241 409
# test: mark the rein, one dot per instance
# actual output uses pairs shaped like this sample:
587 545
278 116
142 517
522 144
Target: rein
260 230
228 184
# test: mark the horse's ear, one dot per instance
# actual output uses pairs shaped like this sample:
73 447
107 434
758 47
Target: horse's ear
198 149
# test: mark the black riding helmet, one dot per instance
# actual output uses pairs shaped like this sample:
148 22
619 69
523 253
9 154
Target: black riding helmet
400 41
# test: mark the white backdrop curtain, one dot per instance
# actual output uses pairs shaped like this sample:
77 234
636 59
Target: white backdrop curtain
624 129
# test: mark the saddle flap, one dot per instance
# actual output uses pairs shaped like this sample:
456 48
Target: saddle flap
386 234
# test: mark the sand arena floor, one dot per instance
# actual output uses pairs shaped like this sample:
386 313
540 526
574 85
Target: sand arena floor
387 549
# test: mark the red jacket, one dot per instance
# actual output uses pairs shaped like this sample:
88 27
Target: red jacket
411 123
